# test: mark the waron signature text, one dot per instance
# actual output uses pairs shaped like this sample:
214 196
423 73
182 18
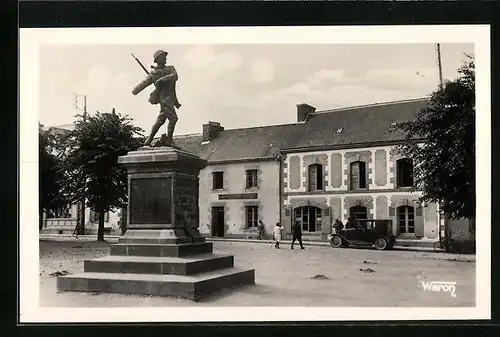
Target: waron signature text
448 287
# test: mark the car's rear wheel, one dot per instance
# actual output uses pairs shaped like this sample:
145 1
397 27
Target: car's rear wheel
381 244
336 241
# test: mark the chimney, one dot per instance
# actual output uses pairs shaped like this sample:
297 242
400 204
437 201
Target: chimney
303 111
211 131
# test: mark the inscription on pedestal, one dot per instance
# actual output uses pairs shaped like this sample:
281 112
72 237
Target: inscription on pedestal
150 201
186 200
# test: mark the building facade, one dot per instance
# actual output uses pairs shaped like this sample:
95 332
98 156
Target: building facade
357 183
333 164
346 165
240 185
235 196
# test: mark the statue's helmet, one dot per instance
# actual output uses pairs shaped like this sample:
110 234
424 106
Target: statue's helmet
159 53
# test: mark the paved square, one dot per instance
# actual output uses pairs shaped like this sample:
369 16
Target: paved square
316 276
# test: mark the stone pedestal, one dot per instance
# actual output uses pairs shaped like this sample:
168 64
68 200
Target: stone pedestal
162 252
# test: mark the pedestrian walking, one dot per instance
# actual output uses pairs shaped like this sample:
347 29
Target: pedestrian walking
277 235
297 234
260 228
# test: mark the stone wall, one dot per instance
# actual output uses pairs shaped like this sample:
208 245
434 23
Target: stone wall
336 170
463 232
380 167
354 156
308 160
294 172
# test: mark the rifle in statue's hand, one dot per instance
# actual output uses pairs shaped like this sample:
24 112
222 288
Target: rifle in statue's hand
140 63
154 97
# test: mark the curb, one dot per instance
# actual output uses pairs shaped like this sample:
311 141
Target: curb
432 255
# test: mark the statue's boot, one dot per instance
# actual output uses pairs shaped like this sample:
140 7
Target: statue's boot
170 133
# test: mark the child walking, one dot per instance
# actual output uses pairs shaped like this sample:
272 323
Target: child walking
277 235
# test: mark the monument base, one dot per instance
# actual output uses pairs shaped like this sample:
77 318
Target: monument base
162 252
159 268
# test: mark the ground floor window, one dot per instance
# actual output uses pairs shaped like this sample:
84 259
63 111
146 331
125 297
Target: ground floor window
406 219
252 216
309 218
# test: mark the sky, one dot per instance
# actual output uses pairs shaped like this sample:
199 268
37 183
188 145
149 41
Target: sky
239 85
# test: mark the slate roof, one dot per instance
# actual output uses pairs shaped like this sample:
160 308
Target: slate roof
364 124
360 125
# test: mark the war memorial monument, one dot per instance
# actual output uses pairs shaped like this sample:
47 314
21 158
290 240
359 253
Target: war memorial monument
162 252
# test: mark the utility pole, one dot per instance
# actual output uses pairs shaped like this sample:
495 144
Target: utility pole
81 224
443 234
84 97
438 50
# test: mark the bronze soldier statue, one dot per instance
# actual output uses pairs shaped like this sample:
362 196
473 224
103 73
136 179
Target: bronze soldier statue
164 78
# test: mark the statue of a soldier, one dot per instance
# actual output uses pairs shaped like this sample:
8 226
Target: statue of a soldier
164 78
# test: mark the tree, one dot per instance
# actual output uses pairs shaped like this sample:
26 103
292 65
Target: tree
441 141
92 162
51 178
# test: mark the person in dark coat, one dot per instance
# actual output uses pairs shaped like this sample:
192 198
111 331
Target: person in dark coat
337 226
297 234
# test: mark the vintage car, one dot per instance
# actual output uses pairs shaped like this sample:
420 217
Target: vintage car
365 232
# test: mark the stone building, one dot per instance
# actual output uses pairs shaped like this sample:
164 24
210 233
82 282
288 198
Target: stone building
344 165
329 165
241 183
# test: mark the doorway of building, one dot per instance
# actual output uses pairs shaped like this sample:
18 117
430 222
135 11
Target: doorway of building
218 221
358 212
309 218
406 220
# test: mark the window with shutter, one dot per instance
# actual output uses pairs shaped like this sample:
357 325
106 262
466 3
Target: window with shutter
315 177
358 175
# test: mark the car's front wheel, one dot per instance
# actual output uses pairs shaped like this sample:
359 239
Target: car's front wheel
336 241
381 244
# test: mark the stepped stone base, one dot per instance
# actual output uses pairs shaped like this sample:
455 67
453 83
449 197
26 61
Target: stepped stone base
159 267
192 287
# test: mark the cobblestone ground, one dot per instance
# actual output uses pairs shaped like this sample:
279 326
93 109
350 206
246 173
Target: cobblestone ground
316 276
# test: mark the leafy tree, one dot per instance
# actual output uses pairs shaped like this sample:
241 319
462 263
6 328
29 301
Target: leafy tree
51 177
92 162
441 141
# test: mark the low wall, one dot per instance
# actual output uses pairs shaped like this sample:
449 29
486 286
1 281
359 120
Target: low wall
67 226
462 231
59 225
